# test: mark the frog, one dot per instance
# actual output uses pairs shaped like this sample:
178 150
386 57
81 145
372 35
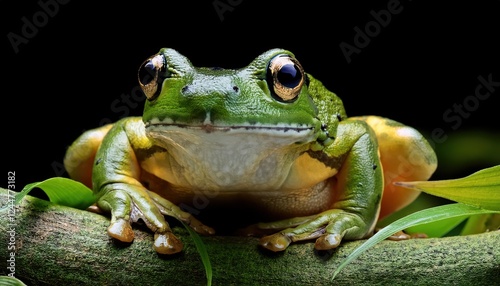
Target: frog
266 147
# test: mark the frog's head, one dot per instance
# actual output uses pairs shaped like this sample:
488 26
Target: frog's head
268 96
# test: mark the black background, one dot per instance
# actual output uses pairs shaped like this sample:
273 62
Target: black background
78 67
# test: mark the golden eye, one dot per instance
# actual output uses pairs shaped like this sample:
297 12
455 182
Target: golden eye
286 77
151 74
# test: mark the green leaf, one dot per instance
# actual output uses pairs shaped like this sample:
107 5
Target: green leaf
10 281
481 189
423 201
481 223
433 229
418 218
437 228
62 191
202 250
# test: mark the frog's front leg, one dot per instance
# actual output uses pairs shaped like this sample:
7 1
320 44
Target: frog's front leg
116 182
357 188
128 203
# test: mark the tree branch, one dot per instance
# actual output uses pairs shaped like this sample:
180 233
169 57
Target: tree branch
57 245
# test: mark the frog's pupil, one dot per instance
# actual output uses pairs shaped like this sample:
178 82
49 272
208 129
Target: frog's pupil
289 75
147 72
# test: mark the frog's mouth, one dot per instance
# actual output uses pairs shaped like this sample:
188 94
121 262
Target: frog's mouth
209 128
299 130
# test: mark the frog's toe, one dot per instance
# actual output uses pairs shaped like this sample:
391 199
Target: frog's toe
275 242
118 203
199 227
167 243
401 235
121 230
341 225
328 241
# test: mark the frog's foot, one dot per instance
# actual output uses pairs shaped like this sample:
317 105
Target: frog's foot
328 228
94 209
267 228
401 235
132 203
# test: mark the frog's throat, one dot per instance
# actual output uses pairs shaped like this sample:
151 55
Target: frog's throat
226 158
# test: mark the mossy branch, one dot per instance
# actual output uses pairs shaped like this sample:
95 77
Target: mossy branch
57 245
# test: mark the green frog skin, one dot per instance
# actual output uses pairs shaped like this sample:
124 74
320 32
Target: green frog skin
266 145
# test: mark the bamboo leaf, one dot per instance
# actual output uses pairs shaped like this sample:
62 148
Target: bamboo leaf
480 189
61 191
418 218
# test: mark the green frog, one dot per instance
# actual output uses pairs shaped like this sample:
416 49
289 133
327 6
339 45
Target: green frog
266 148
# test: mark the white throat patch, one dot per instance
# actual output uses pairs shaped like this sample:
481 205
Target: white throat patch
249 157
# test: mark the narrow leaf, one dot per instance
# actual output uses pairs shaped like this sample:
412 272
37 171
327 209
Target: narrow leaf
481 189
434 229
202 250
418 218
62 191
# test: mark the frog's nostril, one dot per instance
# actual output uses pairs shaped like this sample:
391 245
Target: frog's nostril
235 88
185 89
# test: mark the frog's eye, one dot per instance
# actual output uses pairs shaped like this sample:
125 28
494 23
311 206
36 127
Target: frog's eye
286 77
151 75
